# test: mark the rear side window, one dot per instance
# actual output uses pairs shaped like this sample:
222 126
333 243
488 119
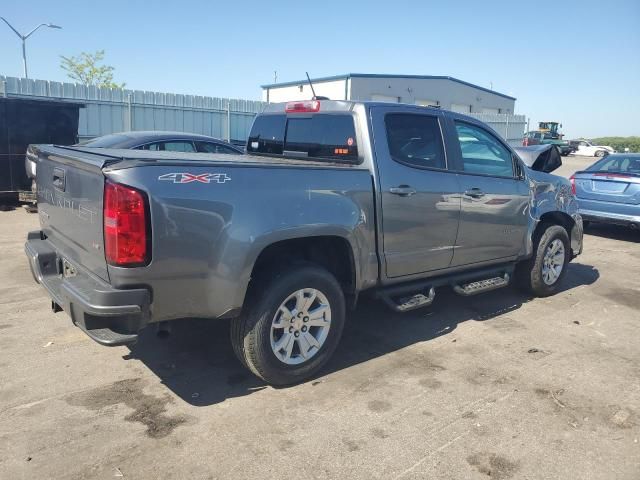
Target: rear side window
210 147
319 136
175 146
415 140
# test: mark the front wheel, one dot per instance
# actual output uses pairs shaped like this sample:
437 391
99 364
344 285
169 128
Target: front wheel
600 153
291 324
542 273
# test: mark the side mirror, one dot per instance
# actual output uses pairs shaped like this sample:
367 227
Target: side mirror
543 158
551 160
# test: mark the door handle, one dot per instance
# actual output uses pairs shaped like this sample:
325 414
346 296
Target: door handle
402 190
474 193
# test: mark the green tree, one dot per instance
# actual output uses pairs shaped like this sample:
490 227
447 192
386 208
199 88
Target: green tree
86 68
620 143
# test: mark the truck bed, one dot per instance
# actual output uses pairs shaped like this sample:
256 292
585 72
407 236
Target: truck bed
204 234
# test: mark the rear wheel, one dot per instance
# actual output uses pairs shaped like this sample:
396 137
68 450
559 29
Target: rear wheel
542 273
292 324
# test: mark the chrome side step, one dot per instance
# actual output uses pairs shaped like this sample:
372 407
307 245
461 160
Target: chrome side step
481 286
410 302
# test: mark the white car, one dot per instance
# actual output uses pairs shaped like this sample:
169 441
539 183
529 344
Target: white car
588 149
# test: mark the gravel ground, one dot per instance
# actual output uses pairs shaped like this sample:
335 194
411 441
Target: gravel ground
497 386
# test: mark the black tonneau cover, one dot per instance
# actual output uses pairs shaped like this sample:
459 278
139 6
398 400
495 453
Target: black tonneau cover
119 158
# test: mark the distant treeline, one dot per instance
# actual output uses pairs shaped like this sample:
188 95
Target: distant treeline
620 143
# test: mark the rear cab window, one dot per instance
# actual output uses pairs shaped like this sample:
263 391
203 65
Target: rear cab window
320 136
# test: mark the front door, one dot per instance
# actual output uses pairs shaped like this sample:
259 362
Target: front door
420 203
495 197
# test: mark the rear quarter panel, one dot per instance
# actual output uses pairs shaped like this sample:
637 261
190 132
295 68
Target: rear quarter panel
207 236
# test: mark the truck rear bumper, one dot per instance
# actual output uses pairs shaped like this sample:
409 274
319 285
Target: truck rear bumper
110 316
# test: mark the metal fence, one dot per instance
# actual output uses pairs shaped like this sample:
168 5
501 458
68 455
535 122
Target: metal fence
510 127
115 110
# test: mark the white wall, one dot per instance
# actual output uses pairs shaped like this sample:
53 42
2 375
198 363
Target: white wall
334 89
446 92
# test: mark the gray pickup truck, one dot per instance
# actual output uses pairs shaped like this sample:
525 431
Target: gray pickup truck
333 200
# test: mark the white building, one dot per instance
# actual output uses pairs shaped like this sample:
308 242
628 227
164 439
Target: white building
446 92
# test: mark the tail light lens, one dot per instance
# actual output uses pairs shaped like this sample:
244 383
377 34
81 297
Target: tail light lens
525 142
572 179
126 230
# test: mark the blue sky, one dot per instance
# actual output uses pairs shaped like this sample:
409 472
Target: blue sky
577 62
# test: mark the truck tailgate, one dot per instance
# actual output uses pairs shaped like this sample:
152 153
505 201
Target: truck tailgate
70 192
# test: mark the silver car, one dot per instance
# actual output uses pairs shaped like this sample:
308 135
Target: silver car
609 190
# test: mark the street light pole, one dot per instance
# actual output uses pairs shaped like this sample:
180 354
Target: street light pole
23 38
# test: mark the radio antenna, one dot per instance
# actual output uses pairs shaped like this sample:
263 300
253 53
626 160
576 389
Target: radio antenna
311 85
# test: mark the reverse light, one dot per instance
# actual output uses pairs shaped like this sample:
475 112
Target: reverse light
126 231
305 106
572 179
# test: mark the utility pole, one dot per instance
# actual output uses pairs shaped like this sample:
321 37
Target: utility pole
23 38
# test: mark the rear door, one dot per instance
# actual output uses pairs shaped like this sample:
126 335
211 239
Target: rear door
494 208
70 193
419 195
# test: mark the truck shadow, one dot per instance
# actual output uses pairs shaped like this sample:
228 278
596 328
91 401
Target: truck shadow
613 232
197 362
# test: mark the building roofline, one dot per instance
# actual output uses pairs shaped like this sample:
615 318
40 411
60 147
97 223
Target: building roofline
378 75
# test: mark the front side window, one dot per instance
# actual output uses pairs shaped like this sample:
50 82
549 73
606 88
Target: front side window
415 140
482 152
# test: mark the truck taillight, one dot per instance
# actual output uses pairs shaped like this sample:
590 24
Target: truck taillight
572 179
305 106
126 230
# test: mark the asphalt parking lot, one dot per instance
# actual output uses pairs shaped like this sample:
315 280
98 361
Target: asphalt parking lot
496 386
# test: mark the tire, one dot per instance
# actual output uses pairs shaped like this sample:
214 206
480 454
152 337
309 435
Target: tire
256 334
599 153
530 274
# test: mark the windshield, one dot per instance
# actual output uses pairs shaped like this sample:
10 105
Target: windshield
629 164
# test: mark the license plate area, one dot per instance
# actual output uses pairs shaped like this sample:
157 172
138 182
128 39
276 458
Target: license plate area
609 187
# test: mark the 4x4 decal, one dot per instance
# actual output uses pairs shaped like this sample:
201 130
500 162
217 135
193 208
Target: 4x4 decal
184 177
